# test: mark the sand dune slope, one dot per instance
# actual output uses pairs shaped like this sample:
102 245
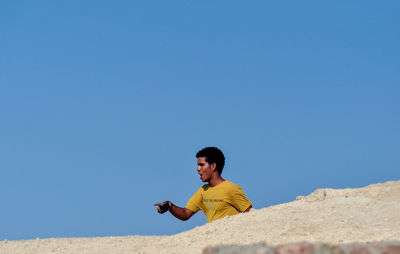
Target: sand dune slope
365 214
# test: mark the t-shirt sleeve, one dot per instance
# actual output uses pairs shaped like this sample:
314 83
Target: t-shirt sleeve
239 199
195 202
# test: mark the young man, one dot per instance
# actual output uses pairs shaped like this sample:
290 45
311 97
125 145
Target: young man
218 198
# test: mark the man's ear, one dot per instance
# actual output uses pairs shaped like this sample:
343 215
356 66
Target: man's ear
213 166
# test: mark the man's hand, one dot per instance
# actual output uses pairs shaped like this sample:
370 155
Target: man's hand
178 212
163 207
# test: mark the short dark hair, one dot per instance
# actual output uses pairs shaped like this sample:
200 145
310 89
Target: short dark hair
211 155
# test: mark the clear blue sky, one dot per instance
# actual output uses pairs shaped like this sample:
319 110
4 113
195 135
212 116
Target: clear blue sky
104 104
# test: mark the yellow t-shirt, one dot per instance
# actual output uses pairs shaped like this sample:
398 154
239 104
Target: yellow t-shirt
219 201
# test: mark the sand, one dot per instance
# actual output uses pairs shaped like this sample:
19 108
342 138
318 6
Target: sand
333 216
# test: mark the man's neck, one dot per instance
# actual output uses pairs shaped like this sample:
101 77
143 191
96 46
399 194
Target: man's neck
215 181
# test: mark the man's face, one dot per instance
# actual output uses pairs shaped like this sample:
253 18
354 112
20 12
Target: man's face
204 169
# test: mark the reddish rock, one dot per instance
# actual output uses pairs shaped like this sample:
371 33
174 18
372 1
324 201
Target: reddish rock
295 248
208 250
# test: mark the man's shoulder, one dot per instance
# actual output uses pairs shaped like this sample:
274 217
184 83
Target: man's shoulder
230 185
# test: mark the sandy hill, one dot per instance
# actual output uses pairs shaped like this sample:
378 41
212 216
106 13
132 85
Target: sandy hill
364 214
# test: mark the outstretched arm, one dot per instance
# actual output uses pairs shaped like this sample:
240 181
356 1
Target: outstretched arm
181 213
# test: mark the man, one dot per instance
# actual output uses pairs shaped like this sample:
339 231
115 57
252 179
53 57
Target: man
218 198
